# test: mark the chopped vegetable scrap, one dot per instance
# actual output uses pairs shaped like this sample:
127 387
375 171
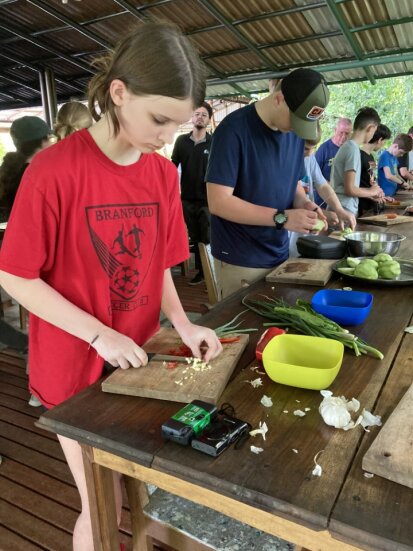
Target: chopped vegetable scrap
317 471
409 329
193 366
368 475
266 401
299 413
262 429
256 450
336 412
305 320
255 383
294 450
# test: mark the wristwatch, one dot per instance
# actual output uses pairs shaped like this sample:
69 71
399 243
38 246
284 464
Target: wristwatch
280 219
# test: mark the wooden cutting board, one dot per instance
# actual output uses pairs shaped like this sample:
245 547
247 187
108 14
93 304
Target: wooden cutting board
391 454
181 384
381 220
309 271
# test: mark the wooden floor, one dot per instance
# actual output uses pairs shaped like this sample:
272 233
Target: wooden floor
38 500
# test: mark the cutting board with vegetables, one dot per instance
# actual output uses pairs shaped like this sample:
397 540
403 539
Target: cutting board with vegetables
178 382
391 454
308 271
382 220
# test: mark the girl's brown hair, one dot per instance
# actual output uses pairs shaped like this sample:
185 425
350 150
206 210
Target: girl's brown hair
72 116
153 59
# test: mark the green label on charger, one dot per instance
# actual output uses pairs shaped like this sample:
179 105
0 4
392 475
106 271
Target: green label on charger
194 416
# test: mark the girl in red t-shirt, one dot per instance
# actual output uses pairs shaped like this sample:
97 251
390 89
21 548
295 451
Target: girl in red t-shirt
97 225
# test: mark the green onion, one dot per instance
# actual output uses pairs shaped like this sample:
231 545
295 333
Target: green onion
229 328
304 319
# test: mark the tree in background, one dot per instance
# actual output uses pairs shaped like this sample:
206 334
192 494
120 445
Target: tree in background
391 97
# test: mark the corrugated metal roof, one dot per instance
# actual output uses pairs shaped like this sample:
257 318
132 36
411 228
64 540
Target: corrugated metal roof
243 43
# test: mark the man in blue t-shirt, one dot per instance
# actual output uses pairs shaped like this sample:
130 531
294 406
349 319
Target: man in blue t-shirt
388 174
252 178
328 149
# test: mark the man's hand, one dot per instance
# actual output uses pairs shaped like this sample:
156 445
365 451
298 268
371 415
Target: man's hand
301 220
119 350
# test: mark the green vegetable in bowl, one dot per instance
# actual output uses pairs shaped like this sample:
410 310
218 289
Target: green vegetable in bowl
366 270
346 271
383 257
371 262
353 262
389 270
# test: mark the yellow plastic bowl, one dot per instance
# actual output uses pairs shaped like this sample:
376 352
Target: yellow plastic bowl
303 361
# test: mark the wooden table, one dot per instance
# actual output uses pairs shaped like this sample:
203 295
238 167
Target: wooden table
274 491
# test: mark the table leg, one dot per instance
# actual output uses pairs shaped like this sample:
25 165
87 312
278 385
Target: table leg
138 498
102 503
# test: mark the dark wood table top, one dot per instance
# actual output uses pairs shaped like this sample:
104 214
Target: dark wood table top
373 512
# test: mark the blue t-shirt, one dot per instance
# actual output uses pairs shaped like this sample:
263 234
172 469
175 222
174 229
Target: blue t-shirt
325 155
263 166
389 160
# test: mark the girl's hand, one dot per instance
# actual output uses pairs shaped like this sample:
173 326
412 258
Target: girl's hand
196 336
119 350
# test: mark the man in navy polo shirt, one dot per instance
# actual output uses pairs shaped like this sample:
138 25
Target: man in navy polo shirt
252 179
191 151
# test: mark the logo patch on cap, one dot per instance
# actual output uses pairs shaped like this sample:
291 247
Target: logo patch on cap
315 113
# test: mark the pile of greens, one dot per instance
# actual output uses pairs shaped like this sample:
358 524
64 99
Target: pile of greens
304 319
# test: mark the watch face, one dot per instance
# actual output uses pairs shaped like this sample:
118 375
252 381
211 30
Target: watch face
280 218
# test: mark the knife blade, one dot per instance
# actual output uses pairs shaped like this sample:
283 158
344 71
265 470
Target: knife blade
154 357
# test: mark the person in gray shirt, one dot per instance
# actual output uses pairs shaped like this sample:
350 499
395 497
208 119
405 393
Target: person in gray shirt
347 163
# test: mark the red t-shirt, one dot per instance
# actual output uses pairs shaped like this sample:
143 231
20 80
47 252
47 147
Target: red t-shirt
102 235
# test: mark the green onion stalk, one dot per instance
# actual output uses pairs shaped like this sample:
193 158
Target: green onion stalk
230 329
304 319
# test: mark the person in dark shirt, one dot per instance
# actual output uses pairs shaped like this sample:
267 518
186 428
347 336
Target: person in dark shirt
369 166
191 151
29 135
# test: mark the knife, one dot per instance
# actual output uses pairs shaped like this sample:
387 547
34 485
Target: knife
154 357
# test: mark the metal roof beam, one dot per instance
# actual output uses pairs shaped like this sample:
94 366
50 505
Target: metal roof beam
40 44
279 13
222 19
306 38
340 66
36 68
259 17
343 26
69 22
380 24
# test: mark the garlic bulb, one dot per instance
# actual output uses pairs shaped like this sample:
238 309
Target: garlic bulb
336 411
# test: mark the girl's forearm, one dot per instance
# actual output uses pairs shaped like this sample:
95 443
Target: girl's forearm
46 303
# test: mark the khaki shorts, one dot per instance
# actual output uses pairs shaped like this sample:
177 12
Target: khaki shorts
231 278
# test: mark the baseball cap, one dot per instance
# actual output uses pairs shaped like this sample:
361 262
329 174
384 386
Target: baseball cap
27 129
306 95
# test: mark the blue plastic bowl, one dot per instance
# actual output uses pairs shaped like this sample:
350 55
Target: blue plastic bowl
343 307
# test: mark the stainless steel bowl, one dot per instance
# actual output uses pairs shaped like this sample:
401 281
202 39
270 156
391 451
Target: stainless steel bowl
370 243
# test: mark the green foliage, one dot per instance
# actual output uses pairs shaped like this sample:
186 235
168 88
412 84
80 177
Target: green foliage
2 151
391 97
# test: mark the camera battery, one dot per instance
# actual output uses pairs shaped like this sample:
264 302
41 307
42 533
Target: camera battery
188 422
